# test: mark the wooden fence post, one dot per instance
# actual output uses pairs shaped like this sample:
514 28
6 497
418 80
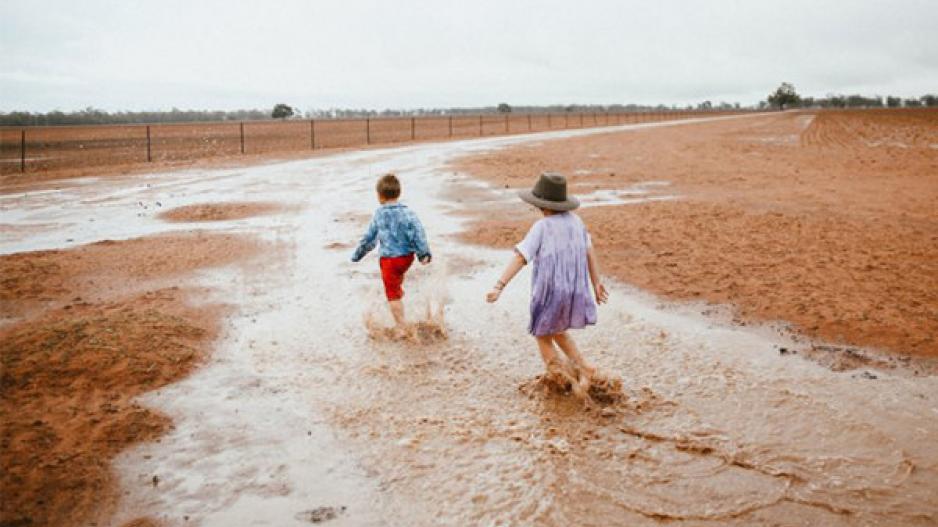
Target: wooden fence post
451 126
312 135
549 125
149 159
529 122
480 125
367 130
23 150
581 120
413 128
242 136
506 124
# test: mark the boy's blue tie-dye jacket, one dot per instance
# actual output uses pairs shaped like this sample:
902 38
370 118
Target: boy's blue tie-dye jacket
399 231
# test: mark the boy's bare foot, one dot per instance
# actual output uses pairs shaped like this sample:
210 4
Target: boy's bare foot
402 331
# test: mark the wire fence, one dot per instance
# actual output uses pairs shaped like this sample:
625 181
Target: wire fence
48 148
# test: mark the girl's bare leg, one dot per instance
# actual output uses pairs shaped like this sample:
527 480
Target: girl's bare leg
554 363
546 346
565 342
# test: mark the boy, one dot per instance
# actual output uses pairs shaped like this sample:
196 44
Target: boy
401 236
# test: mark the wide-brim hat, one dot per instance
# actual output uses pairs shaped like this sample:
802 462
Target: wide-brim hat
550 192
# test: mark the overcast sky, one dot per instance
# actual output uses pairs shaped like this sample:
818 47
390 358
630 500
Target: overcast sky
150 55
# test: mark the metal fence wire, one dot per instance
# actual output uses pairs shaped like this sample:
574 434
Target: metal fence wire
46 148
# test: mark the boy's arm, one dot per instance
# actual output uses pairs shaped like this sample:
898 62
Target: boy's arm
598 288
368 241
419 238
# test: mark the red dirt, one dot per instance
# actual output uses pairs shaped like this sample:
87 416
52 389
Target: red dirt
220 211
82 351
832 227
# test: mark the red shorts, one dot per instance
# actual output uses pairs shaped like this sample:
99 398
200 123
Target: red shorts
392 273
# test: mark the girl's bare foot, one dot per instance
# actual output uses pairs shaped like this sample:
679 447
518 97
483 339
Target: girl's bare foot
559 368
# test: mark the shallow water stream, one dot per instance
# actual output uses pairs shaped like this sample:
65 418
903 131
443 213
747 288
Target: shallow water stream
300 415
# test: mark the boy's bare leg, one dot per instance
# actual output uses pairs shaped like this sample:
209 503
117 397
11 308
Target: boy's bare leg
397 311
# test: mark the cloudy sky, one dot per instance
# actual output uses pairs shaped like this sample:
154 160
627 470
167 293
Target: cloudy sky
150 55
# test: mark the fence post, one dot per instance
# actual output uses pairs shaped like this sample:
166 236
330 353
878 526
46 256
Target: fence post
566 120
480 125
367 130
581 120
149 159
23 150
312 135
451 126
413 128
529 122
242 137
549 125
507 130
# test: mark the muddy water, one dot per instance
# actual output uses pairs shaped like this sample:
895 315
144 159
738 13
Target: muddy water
302 411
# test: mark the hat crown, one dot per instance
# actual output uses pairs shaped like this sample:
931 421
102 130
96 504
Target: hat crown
551 186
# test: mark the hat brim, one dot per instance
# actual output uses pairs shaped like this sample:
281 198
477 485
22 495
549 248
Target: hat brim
569 204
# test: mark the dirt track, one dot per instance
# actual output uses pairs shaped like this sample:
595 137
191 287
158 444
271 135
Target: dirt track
826 221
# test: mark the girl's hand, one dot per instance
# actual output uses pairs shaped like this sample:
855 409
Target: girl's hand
602 296
493 295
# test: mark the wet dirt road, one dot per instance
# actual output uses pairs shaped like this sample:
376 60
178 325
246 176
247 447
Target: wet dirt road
301 416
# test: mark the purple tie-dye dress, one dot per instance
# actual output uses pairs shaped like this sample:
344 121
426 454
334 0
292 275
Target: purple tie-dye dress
560 287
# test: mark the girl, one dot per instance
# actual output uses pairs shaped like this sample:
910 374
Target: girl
564 265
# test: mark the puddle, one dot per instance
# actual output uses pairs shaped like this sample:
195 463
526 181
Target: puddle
300 415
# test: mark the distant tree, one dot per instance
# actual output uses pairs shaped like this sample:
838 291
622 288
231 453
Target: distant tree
837 101
784 97
281 111
706 105
893 102
504 107
930 100
912 102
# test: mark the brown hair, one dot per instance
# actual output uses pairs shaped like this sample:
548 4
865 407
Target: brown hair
389 187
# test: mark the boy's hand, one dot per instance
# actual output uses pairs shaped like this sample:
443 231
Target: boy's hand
426 259
602 296
493 295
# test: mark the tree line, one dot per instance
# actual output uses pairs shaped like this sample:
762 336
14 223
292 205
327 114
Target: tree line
785 97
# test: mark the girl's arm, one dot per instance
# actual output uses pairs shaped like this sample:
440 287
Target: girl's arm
598 288
515 265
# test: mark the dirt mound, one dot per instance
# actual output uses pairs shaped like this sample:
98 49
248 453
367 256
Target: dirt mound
99 329
220 211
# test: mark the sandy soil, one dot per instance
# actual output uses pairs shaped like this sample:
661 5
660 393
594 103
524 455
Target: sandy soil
825 220
303 413
86 331
219 211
